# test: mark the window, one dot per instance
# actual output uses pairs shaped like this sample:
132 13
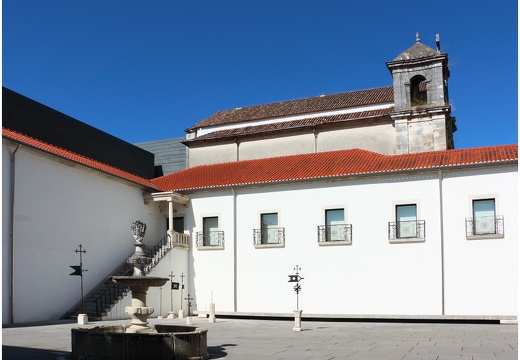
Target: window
269 233
406 221
210 235
269 223
406 225
335 229
419 95
484 221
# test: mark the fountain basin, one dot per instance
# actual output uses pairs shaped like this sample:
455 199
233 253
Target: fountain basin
163 342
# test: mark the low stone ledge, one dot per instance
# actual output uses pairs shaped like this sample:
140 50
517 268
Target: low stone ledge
167 342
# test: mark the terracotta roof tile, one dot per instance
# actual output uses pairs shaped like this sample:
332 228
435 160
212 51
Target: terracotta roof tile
80 159
328 165
273 127
300 106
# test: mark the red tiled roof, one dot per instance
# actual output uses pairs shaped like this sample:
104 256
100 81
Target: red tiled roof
80 159
273 127
300 106
328 165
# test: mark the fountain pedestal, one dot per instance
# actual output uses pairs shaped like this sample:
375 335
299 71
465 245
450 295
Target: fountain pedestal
139 340
139 312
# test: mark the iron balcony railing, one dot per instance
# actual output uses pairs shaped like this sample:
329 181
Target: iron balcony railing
267 236
485 225
412 229
338 232
211 238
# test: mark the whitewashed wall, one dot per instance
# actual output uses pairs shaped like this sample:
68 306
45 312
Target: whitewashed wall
211 271
379 138
57 207
371 276
481 274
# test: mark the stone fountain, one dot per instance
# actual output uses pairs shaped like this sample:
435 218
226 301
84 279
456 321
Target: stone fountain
139 340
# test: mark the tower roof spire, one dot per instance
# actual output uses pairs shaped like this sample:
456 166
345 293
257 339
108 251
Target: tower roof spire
417 38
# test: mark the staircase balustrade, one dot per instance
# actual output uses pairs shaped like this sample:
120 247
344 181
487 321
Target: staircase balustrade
99 302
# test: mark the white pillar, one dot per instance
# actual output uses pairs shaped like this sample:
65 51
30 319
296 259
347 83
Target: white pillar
297 320
211 318
170 222
82 319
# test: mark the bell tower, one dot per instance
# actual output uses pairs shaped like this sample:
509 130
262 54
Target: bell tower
422 112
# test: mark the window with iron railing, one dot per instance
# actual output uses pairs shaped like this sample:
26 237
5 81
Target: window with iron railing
210 238
270 233
485 221
410 229
485 225
269 236
335 233
406 227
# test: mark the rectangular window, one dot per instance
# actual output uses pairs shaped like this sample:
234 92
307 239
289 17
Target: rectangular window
210 231
269 228
406 221
484 218
335 225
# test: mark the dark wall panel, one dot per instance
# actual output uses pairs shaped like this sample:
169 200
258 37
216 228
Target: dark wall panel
29 117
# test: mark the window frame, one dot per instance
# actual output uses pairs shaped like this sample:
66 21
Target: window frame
260 230
200 235
323 233
498 219
420 236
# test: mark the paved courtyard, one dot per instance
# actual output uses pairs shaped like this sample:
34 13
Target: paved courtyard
266 339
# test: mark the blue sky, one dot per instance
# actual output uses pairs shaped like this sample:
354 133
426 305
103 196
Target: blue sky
146 71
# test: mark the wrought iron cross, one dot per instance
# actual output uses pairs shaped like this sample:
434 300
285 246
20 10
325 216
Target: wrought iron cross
81 252
182 287
189 298
297 288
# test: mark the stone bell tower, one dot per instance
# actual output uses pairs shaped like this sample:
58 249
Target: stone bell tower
422 112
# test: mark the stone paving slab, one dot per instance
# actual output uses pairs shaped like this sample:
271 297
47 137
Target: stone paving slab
273 339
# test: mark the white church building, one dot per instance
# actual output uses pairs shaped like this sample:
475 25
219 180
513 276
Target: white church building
364 191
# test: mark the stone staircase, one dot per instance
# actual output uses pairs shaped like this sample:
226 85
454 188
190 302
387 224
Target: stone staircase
98 302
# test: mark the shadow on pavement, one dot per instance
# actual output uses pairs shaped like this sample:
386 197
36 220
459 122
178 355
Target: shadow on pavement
21 353
216 352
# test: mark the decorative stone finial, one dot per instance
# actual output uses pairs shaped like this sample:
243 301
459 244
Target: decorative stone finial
138 259
417 38
138 231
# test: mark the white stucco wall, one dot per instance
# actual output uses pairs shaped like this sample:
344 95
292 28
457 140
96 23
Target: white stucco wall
371 276
481 274
211 154
379 138
57 207
277 146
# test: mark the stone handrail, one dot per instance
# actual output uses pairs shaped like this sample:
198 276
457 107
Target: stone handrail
178 239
